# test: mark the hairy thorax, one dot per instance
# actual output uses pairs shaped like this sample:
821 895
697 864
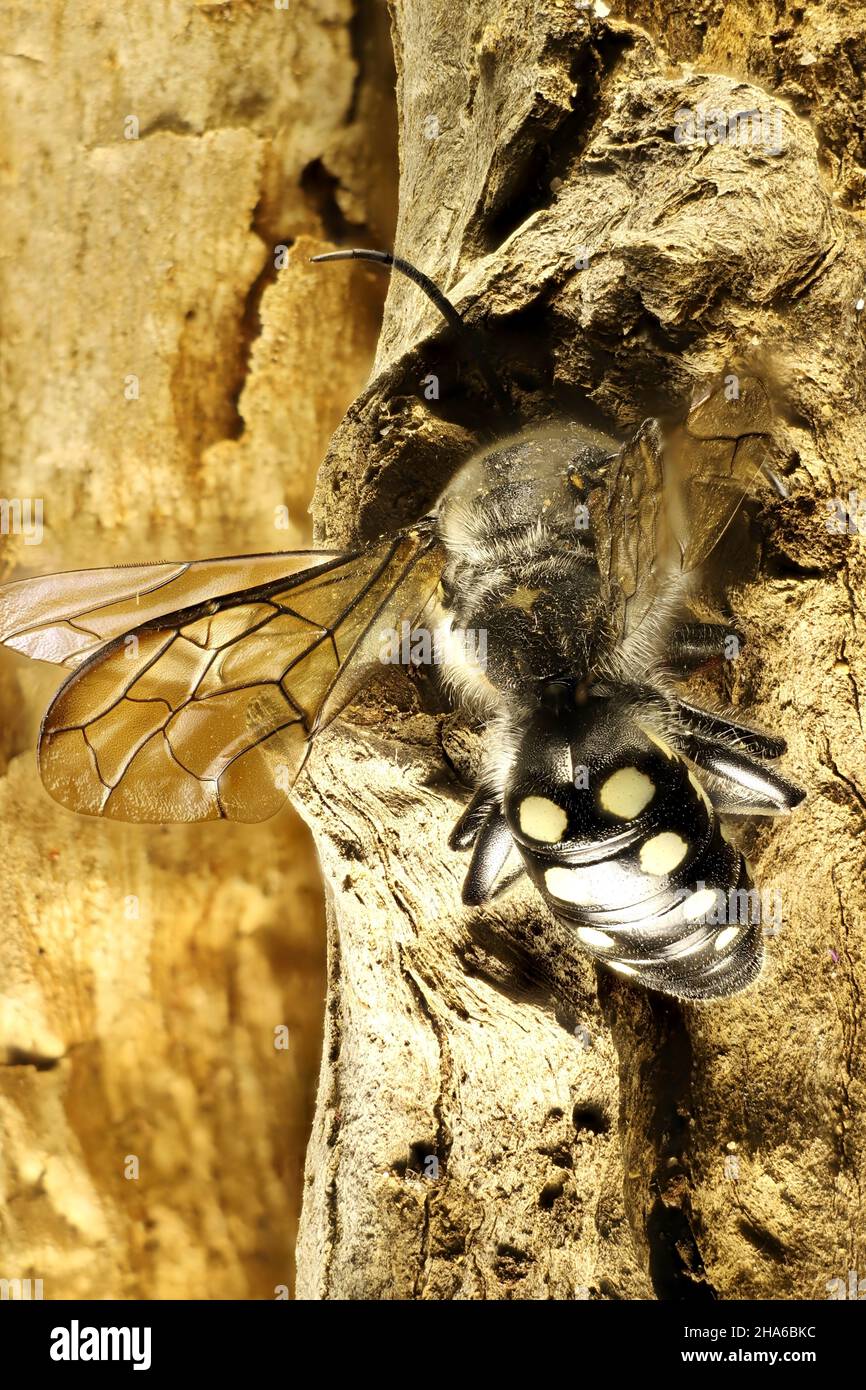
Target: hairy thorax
520 560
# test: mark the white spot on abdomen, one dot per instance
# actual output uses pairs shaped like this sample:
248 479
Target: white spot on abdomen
590 936
541 819
699 903
626 792
663 853
568 885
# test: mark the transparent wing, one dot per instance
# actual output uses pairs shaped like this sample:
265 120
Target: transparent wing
633 535
65 617
206 712
712 461
670 495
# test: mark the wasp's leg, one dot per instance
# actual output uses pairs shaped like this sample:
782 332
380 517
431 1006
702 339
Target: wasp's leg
467 829
740 785
706 724
779 486
492 848
692 644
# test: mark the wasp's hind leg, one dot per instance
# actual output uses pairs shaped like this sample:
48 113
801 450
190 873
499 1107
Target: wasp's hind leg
690 646
492 848
740 785
708 725
693 644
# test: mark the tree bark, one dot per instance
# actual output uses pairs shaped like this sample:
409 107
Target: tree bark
167 391
495 1120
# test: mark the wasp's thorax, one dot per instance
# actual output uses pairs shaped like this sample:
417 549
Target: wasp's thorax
521 567
621 839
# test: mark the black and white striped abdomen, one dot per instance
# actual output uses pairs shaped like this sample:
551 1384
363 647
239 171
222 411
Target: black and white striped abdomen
630 851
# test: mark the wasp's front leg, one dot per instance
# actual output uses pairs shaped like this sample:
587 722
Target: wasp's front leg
492 848
708 725
468 827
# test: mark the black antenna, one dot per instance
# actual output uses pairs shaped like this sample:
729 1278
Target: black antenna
451 315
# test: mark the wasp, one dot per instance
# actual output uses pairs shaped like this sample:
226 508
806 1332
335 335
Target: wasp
198 688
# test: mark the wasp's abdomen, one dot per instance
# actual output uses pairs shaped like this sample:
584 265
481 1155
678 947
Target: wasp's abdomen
636 861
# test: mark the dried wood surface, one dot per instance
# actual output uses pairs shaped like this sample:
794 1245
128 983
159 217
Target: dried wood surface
494 1121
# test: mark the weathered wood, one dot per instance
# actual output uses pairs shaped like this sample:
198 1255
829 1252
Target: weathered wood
492 1121
143 970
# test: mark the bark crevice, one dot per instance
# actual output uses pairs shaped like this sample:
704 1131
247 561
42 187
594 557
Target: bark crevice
697 256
